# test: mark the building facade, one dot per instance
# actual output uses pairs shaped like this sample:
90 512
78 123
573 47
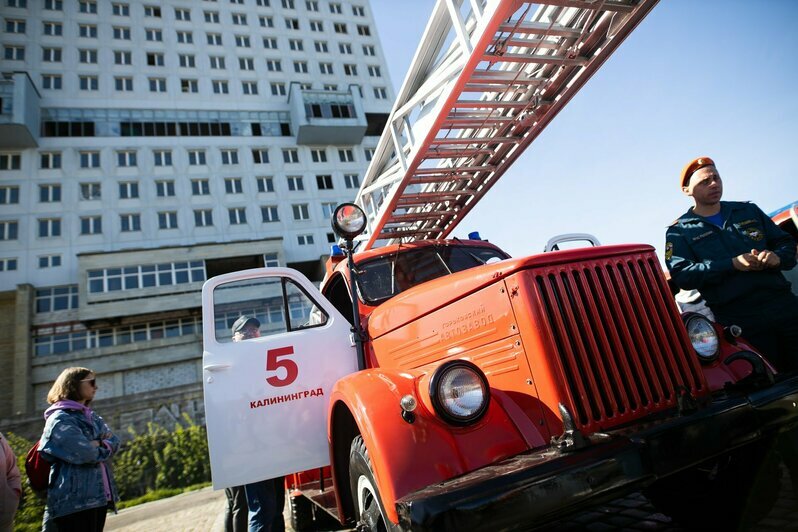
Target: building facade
148 146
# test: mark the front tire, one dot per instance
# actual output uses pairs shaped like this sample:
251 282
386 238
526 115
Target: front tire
369 510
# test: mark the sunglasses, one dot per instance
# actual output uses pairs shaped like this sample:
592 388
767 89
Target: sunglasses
92 382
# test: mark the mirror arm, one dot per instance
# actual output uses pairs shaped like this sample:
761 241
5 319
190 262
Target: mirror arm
357 327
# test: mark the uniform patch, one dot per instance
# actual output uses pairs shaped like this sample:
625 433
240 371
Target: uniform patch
668 250
746 222
702 235
754 233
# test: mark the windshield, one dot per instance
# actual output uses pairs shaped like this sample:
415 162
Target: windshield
384 277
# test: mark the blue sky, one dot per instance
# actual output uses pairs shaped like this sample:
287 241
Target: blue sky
708 77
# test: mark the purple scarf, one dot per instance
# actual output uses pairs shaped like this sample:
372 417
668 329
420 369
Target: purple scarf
69 404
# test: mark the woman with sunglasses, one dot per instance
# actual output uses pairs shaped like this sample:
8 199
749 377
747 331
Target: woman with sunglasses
80 445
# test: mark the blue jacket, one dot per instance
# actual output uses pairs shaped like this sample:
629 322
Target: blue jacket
76 477
699 256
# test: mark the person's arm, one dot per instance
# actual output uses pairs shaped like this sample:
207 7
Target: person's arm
65 440
109 439
779 242
687 271
13 478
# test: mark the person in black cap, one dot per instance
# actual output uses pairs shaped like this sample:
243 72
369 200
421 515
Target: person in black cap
244 328
260 503
734 254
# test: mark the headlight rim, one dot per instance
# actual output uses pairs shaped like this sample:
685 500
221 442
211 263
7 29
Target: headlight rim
691 316
437 403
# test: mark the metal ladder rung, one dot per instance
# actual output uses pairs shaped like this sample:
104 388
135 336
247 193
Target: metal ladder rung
540 28
535 58
439 179
590 4
475 140
397 218
483 104
474 124
454 169
505 42
434 153
498 87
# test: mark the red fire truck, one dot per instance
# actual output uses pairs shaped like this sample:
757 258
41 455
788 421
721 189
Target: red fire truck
492 392
435 383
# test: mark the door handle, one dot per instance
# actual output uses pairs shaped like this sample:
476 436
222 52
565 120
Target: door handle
215 367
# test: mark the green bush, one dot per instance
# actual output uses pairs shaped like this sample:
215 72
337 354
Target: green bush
184 459
148 466
135 465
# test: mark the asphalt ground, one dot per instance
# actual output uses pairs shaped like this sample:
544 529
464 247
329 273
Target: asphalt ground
203 511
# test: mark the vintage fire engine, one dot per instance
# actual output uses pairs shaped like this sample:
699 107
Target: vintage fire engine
435 383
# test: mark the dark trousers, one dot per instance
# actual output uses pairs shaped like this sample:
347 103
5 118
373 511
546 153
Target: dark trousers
235 515
266 500
92 520
778 342
772 329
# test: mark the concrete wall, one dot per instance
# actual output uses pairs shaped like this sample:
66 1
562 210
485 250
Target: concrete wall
7 320
129 414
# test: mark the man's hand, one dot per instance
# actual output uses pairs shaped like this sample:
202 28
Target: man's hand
756 260
767 258
747 262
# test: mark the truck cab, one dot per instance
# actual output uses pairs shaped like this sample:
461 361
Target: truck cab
492 391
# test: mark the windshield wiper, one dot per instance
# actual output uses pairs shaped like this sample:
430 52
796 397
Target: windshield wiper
465 250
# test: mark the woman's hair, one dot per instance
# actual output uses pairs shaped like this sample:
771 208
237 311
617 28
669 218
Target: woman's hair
67 385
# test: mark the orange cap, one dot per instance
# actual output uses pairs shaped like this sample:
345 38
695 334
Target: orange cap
692 167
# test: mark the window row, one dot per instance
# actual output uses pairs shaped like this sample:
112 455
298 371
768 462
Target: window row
74 337
122 9
53 160
91 82
131 222
153 34
145 276
43 261
165 188
55 298
55 54
152 275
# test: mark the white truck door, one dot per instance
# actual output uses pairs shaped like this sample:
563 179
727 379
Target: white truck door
266 397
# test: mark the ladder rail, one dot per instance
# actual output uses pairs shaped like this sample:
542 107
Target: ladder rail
468 110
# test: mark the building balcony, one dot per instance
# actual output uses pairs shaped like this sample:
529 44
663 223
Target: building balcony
19 112
327 117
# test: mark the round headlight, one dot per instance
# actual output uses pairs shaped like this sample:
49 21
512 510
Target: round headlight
459 392
348 220
703 336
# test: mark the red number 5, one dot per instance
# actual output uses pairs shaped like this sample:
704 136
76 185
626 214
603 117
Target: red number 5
273 363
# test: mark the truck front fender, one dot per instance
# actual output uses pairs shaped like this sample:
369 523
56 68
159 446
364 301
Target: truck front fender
408 456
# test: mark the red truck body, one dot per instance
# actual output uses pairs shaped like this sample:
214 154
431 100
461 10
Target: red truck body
595 388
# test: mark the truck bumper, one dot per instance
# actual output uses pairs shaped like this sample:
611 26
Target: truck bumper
533 488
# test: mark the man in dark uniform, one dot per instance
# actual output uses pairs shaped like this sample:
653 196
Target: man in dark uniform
733 254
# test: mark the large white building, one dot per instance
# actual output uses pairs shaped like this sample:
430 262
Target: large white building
146 146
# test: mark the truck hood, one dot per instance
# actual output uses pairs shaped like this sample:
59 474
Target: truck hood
432 295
